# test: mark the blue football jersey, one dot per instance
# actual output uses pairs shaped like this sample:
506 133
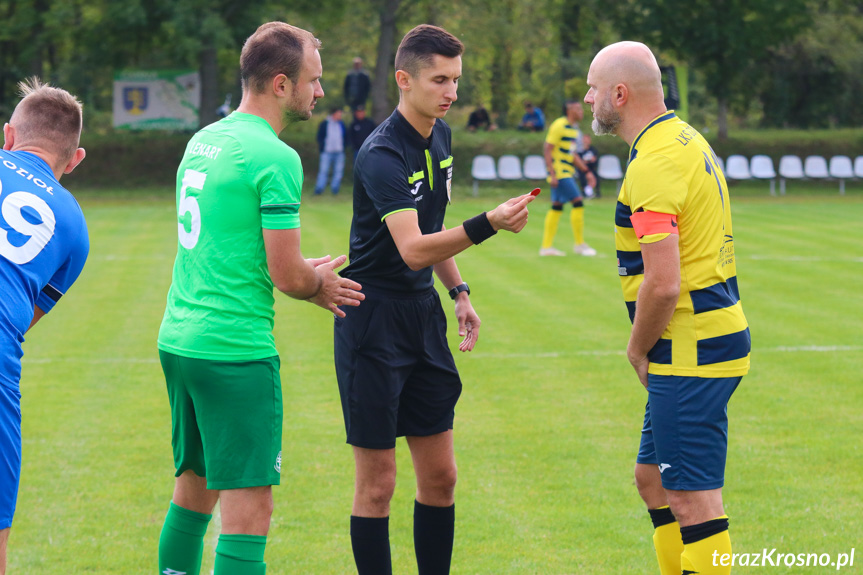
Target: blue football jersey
43 247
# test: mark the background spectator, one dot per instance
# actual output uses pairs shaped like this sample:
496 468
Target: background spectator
357 86
332 140
360 129
479 119
590 155
533 119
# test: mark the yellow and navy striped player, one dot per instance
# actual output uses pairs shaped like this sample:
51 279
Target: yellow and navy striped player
690 341
562 144
674 186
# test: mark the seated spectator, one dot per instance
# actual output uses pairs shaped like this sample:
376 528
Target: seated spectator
590 155
533 119
479 119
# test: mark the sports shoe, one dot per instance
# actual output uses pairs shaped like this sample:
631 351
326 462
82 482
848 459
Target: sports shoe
584 250
551 252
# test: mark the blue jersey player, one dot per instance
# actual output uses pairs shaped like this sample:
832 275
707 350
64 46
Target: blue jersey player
43 247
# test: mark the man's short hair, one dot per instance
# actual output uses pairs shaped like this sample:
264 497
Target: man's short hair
419 47
275 48
47 117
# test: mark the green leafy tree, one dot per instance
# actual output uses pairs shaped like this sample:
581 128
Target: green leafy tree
724 39
815 81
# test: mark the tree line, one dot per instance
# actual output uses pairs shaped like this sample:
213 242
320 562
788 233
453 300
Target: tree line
753 63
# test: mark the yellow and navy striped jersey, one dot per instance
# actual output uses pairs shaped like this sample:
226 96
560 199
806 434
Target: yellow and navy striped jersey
672 170
566 141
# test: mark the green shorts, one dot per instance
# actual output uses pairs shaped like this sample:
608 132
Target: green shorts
226 419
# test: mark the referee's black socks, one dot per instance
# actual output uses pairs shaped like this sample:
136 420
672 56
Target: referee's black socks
370 541
434 529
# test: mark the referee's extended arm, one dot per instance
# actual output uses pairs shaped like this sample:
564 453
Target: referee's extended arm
420 250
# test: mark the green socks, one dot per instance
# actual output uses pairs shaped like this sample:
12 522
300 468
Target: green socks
240 555
182 541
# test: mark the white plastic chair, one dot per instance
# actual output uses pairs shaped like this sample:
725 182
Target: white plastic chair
737 168
534 167
841 169
790 168
482 169
815 167
858 166
509 168
608 168
761 168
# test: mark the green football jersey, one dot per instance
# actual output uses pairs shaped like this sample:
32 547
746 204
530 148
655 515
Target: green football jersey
236 178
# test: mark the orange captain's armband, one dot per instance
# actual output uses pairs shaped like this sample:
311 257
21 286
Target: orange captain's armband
650 223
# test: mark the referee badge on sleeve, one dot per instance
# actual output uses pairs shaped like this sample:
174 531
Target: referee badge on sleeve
447 165
449 185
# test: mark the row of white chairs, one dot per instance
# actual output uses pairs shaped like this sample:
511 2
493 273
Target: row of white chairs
760 167
510 167
736 167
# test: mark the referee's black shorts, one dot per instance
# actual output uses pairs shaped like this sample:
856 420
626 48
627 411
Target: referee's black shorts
396 373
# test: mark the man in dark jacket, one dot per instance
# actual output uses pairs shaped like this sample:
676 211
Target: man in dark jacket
360 129
357 86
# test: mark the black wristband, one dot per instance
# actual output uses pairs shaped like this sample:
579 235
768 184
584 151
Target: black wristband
478 228
453 293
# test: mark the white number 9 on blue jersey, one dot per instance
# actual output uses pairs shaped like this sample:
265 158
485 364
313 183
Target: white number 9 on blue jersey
39 233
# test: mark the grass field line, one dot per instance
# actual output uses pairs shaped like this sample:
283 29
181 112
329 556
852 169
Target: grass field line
128 258
597 352
815 259
479 355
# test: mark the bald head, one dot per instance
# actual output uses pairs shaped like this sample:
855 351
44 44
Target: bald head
632 64
625 87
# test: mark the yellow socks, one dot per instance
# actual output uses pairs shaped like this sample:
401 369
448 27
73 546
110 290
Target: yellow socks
576 217
703 547
666 540
552 218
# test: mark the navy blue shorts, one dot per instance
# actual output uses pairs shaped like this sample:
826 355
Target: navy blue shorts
396 373
566 191
686 430
10 452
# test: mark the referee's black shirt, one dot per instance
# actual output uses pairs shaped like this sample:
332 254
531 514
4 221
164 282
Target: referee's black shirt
397 169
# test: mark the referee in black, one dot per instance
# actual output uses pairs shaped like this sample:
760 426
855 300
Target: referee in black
396 374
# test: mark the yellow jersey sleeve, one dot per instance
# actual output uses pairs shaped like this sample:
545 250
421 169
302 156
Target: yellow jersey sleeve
656 185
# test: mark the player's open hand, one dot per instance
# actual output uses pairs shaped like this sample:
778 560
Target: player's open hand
335 290
512 214
468 322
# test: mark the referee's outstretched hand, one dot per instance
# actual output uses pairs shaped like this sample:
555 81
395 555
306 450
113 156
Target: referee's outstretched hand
511 215
335 290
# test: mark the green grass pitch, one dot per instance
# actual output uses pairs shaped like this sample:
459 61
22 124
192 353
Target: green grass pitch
546 430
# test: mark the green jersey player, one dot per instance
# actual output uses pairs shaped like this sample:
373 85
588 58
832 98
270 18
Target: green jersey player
238 199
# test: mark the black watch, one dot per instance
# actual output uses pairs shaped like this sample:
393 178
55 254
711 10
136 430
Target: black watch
458 289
